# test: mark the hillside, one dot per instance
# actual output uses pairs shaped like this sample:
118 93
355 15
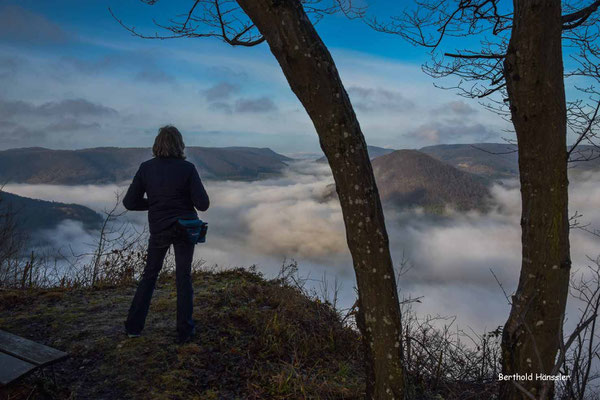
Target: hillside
409 178
498 160
34 214
256 339
490 160
374 152
103 165
588 156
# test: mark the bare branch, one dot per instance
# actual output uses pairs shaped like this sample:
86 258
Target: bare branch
575 19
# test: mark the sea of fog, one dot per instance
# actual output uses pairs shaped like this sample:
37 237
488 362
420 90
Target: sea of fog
265 222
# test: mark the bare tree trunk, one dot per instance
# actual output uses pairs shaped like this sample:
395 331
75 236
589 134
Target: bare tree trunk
534 77
312 75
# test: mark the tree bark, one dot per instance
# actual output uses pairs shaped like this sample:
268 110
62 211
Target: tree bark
535 84
313 77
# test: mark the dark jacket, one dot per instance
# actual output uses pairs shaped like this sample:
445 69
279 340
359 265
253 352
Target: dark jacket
173 187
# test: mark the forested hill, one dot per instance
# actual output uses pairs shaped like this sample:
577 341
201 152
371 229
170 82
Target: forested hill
33 214
500 160
411 178
103 165
492 160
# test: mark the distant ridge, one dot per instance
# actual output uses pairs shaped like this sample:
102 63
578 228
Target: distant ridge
102 165
500 160
491 160
374 152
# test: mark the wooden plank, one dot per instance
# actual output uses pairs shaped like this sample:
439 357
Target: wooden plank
28 350
12 368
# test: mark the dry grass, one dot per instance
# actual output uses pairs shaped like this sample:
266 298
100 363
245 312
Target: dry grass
256 339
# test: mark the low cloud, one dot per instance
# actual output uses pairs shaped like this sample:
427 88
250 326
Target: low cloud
266 221
97 197
67 231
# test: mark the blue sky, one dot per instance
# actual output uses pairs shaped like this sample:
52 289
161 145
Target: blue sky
71 77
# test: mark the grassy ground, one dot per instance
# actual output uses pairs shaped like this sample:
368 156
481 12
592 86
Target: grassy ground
256 339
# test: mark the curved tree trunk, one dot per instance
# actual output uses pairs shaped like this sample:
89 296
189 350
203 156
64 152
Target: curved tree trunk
535 84
312 75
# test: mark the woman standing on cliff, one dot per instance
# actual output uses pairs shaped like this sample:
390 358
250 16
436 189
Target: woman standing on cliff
174 190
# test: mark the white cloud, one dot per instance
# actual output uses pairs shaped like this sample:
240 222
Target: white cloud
263 222
388 87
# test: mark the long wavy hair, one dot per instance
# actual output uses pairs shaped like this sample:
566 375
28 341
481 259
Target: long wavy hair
168 143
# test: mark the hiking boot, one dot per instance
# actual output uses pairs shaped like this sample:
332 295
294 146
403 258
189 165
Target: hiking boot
186 339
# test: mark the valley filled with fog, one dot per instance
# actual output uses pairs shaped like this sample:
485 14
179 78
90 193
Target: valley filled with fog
449 257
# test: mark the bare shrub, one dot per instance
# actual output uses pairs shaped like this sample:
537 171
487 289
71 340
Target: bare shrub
14 270
580 351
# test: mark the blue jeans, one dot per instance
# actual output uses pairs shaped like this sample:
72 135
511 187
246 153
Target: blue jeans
158 245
